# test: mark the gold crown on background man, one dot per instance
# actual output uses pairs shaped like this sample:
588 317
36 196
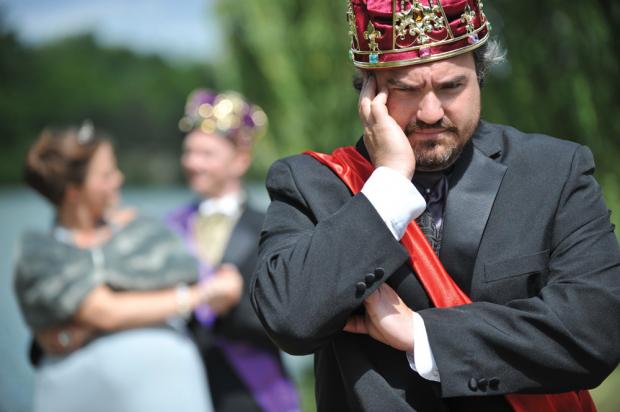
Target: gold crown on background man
393 33
228 114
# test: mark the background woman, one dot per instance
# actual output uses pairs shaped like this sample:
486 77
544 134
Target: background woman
101 270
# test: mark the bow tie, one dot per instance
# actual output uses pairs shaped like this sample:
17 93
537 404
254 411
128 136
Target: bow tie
430 185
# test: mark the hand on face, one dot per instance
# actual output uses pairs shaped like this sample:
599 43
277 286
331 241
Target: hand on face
386 142
387 319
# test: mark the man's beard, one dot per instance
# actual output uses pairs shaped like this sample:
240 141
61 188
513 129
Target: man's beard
433 155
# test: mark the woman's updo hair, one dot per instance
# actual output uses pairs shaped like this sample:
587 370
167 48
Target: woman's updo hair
60 157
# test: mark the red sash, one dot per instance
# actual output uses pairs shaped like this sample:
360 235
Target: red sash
353 169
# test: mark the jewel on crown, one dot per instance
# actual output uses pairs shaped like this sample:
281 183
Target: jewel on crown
417 21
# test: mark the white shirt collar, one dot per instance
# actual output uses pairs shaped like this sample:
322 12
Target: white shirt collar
229 205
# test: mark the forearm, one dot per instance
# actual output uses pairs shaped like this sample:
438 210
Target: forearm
323 252
307 285
107 310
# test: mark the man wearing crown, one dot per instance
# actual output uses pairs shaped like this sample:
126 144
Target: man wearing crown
221 228
443 263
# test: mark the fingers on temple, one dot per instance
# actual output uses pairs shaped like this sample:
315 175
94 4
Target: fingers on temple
367 95
378 105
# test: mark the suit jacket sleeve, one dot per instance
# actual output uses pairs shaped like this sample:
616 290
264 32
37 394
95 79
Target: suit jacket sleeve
564 338
317 247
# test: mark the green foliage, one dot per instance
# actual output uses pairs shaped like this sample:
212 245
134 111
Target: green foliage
562 72
292 59
137 99
561 77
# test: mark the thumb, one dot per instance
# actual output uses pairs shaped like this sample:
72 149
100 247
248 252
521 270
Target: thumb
226 269
356 324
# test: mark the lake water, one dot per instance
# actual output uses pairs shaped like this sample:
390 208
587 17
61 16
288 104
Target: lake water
21 209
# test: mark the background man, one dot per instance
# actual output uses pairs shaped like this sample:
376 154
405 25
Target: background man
222 230
516 219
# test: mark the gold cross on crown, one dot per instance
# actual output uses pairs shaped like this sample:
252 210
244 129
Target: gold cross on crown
468 18
371 34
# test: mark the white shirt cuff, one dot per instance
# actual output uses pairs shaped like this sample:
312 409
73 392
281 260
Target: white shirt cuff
395 199
422 360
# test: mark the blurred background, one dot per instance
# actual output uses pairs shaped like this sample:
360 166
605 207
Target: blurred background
128 66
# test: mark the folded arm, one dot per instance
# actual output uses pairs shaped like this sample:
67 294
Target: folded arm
318 248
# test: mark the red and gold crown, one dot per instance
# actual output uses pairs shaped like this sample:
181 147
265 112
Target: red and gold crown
394 33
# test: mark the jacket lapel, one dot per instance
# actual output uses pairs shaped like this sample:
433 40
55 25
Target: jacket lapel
473 186
242 241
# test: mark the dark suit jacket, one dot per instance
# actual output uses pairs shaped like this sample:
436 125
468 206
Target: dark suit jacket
526 234
229 393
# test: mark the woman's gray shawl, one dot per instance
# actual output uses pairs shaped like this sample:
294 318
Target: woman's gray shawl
52 277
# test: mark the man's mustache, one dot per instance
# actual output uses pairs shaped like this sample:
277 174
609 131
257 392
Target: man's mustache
419 125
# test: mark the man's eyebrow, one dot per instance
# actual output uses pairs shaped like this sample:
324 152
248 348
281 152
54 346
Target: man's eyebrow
402 85
453 81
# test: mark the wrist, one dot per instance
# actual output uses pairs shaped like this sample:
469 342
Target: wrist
410 338
398 168
404 341
204 291
184 300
